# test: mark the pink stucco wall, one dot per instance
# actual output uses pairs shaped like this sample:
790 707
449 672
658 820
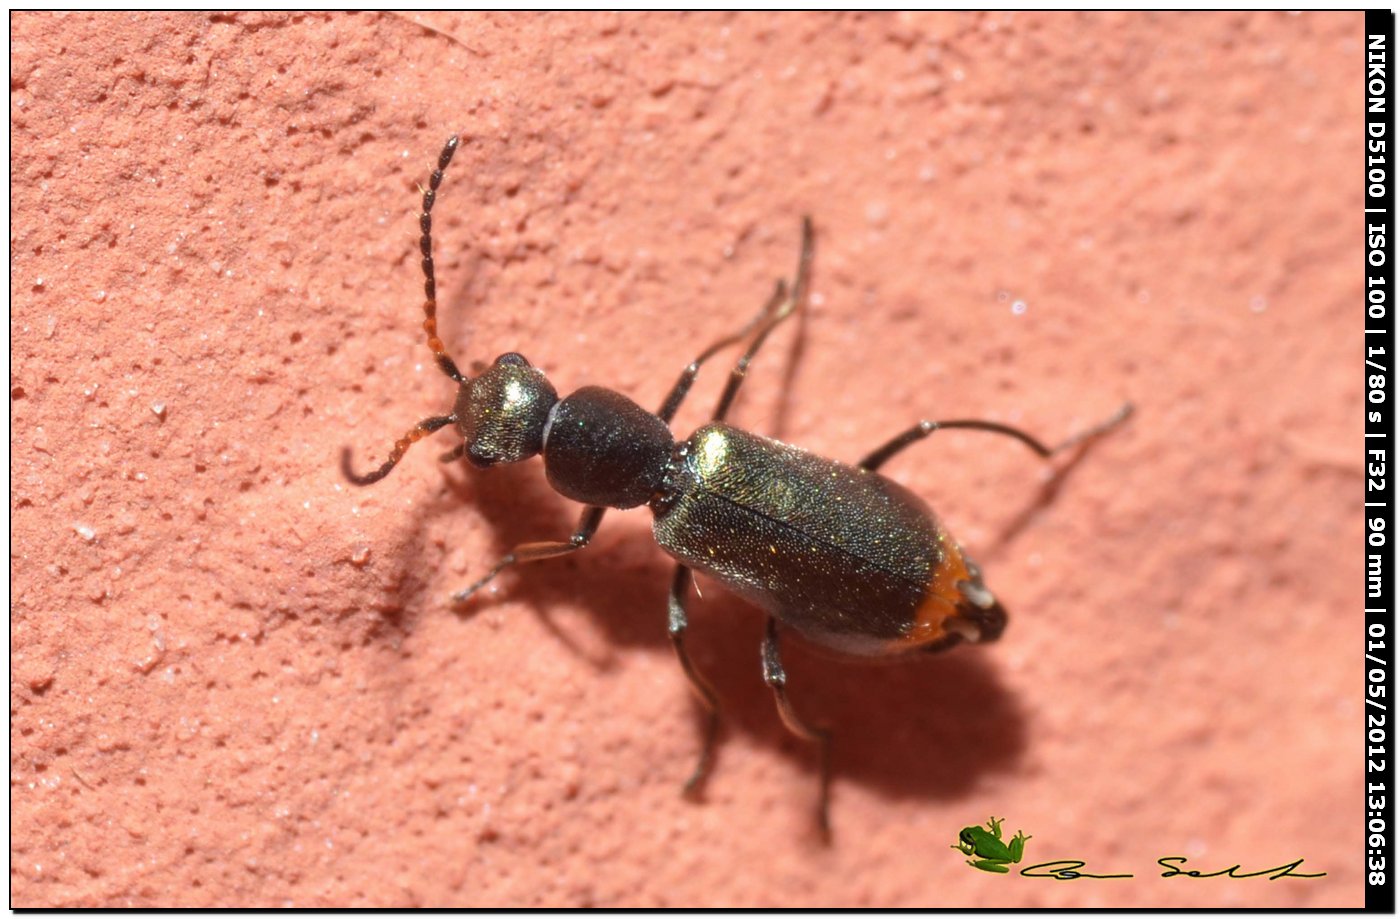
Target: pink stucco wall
236 680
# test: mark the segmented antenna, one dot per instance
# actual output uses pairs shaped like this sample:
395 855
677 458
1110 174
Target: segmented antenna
425 243
444 360
416 433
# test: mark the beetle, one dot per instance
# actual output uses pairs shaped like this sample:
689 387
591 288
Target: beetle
837 553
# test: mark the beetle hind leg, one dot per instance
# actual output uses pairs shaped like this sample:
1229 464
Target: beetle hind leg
918 432
776 678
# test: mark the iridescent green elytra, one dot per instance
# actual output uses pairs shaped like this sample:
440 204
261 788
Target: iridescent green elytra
992 854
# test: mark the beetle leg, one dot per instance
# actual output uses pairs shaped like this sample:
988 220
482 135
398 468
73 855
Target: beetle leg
454 454
786 306
776 678
924 428
704 692
778 308
537 551
687 378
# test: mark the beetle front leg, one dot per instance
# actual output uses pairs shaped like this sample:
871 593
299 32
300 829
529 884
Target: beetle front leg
538 551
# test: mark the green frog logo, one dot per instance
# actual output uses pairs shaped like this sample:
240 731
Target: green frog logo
987 849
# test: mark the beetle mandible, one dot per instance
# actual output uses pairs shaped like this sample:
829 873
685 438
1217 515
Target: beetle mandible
845 557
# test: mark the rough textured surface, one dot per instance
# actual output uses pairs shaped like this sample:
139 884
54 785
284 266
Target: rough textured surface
235 679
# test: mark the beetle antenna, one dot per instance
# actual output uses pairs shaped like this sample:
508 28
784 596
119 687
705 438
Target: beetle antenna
416 433
425 243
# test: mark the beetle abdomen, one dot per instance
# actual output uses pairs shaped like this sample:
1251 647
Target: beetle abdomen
845 556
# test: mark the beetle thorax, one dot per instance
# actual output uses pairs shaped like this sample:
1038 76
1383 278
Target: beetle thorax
603 449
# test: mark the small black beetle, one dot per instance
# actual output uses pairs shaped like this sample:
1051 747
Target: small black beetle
840 554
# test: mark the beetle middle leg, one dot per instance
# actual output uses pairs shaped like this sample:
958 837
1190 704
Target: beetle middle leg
789 306
537 551
687 378
923 429
776 678
704 692
780 306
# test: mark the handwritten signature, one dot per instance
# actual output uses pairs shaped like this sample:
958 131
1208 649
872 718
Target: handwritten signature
1068 869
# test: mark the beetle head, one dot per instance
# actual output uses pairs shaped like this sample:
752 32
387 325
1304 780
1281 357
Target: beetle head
502 413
